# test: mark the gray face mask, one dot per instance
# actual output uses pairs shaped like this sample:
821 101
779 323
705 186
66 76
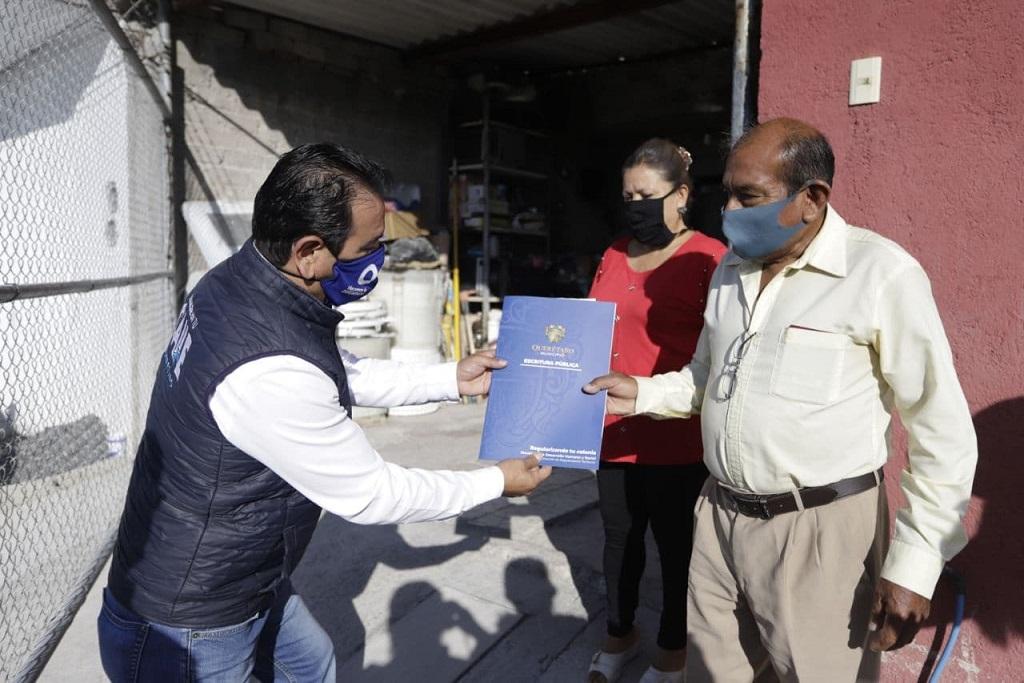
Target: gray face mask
754 232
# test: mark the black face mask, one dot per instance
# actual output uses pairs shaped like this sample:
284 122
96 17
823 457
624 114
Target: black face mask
645 219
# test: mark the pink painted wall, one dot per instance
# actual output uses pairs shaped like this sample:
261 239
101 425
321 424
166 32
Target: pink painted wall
938 166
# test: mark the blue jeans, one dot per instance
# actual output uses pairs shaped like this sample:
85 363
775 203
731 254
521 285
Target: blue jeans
283 643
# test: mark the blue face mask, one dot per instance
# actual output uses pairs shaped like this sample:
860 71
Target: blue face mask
754 232
352 280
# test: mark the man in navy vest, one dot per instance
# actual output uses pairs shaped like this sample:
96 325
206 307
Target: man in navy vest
249 435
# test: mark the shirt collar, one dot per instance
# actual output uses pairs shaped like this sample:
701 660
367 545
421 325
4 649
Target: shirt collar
827 252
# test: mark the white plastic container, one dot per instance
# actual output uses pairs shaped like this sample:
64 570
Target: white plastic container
493 325
415 301
363 333
405 355
363 318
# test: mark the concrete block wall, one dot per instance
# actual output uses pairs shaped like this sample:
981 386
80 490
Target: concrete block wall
258 85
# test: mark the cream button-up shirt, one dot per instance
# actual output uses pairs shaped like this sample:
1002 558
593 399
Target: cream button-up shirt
796 386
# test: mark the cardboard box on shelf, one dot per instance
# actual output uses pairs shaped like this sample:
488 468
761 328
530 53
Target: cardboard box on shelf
400 224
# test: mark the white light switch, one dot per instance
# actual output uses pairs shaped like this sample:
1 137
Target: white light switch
865 80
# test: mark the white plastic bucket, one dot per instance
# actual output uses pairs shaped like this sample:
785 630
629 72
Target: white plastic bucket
362 333
428 356
415 301
363 319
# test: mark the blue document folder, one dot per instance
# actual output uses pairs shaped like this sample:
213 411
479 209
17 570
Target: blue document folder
536 405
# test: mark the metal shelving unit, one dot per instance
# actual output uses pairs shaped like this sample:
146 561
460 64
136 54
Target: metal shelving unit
506 171
488 170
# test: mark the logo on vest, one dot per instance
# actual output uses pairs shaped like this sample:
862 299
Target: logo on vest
181 342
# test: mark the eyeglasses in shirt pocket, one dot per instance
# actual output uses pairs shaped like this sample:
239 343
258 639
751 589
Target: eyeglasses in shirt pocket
809 365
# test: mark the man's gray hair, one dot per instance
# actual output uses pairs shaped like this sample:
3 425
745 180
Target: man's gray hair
805 153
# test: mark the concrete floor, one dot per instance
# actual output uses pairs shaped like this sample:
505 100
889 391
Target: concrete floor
511 591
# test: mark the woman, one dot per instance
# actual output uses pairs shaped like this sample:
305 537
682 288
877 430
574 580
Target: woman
651 471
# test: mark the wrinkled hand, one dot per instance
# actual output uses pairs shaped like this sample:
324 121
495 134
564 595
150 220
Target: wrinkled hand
522 475
474 372
897 615
622 390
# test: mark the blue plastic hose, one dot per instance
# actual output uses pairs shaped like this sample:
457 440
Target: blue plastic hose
960 584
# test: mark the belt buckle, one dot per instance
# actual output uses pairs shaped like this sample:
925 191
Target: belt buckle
762 506
754 506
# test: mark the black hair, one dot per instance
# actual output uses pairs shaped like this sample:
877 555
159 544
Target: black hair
671 161
805 154
309 192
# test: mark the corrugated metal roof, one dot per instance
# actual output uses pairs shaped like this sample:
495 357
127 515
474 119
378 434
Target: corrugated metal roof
400 23
681 25
404 24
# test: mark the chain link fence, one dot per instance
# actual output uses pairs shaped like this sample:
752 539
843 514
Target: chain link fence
86 300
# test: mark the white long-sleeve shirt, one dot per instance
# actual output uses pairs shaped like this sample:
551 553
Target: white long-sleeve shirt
284 412
796 384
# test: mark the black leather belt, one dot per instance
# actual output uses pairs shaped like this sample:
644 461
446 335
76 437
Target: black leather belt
766 507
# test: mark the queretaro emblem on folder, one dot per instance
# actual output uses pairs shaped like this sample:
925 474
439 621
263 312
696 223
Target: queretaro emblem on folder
554 333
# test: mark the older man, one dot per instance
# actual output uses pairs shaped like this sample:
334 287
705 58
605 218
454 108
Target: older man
815 331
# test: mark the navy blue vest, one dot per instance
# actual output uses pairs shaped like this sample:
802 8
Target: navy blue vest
208 533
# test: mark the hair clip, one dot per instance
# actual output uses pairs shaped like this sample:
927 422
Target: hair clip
685 155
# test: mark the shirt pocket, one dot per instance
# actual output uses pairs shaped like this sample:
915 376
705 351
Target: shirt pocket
809 365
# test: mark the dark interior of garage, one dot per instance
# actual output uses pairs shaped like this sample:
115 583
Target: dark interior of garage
566 99
507 120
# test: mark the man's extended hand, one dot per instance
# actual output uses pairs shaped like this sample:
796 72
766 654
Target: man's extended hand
897 615
622 390
522 475
474 372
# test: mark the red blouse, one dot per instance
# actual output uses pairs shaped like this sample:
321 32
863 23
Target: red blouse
659 315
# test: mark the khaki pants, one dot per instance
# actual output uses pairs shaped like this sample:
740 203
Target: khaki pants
785 598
